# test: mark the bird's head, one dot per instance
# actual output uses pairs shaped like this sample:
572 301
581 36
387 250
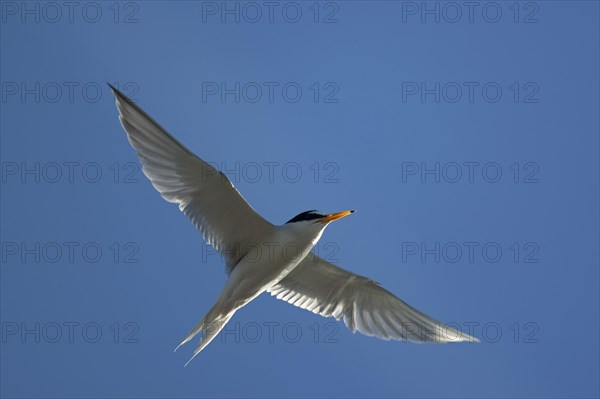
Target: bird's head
318 218
309 225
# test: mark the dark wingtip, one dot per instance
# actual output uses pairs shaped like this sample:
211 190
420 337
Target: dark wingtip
113 88
117 93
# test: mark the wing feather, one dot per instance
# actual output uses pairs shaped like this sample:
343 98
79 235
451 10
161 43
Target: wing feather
203 194
364 306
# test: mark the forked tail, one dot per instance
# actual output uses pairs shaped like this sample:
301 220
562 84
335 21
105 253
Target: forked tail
209 326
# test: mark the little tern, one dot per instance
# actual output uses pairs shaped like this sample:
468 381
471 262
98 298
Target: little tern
252 247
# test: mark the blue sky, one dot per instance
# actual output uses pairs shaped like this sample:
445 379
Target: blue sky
466 138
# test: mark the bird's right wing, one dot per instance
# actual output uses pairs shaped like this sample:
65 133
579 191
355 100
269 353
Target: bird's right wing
204 194
330 291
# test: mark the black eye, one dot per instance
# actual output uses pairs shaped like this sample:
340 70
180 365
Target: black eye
308 215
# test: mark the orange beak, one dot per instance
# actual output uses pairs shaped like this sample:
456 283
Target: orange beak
335 216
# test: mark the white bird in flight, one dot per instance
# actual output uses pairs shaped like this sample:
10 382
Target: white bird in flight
257 252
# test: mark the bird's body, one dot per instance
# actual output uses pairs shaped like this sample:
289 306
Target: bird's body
265 263
261 257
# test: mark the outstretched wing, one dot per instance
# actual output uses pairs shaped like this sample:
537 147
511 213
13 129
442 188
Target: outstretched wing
330 291
204 194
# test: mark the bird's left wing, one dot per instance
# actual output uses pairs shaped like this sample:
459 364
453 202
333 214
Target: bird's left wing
330 291
204 194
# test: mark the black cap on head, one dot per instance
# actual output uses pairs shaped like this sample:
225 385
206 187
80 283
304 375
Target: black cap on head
308 215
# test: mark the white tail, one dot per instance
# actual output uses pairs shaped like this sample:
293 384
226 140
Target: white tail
209 326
